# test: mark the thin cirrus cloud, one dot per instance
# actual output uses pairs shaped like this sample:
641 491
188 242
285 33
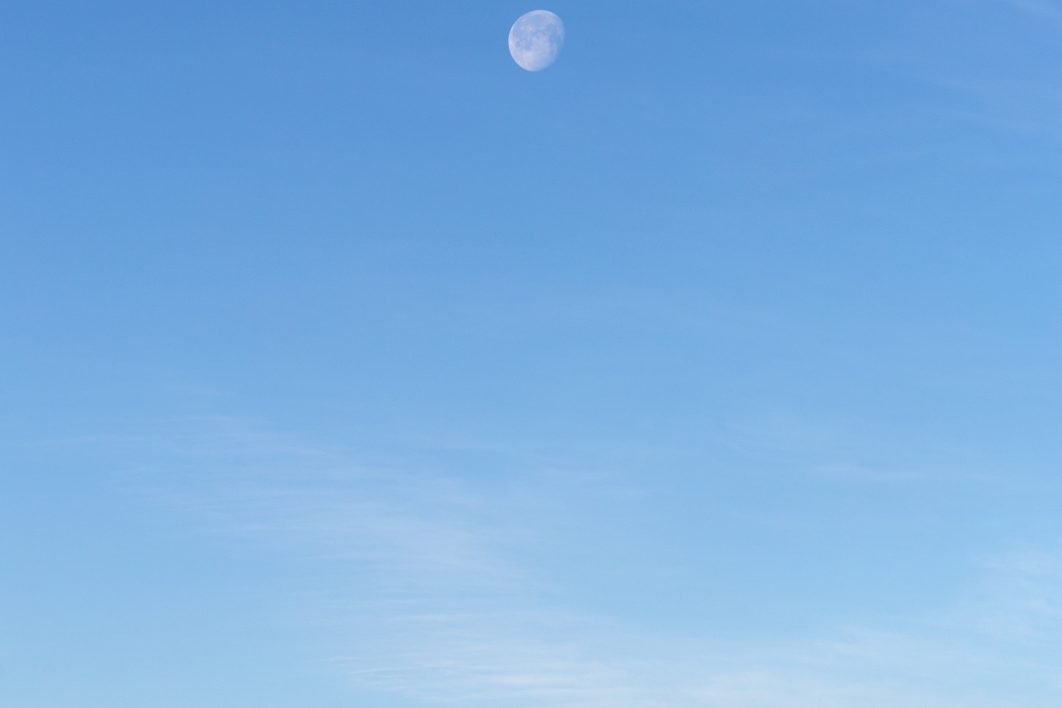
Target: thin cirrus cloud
1044 9
450 606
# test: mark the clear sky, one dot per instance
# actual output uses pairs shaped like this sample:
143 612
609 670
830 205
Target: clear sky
346 364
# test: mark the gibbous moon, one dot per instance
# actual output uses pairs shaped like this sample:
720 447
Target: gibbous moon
536 39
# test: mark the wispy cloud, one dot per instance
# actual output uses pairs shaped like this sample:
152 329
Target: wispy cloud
435 596
1041 9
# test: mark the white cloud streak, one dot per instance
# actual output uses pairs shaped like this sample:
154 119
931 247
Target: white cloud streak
443 610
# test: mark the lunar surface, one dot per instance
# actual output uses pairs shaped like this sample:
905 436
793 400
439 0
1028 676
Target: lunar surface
536 39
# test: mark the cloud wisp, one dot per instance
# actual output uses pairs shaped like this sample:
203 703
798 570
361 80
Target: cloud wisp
434 593
1040 9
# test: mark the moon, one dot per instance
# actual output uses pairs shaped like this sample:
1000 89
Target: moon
536 39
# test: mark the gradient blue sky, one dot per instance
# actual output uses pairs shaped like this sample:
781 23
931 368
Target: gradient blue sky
346 364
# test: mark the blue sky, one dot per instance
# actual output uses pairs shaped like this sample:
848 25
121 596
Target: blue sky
347 364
